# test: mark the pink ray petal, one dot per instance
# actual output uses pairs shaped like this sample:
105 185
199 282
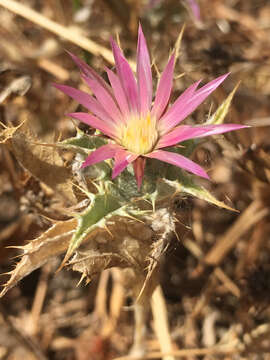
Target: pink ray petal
164 89
186 132
180 102
219 129
86 100
178 134
88 71
178 160
105 127
126 76
121 160
119 93
182 110
138 166
104 98
102 153
144 74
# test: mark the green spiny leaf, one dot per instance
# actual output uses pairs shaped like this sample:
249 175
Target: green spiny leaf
219 116
84 141
186 185
93 217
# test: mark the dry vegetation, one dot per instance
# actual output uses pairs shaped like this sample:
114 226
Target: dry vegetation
216 276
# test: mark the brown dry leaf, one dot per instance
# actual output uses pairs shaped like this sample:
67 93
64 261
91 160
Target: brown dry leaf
43 162
164 224
37 252
102 249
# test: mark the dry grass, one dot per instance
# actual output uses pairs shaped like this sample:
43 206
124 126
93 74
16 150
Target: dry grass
215 280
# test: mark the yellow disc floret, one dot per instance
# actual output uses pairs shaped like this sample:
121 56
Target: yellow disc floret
139 135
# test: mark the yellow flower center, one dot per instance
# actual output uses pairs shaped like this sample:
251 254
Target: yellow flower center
139 135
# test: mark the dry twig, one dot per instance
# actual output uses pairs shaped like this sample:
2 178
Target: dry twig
60 30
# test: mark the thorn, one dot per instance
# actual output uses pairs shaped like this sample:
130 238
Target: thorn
88 280
210 111
4 126
81 279
16 247
107 229
87 193
178 42
125 214
7 273
59 137
74 123
177 236
43 144
179 76
17 256
156 69
64 262
118 40
154 205
98 187
3 292
48 218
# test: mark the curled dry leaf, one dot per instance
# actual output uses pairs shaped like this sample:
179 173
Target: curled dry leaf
136 246
37 252
43 162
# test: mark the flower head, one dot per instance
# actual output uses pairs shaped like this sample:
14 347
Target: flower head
138 127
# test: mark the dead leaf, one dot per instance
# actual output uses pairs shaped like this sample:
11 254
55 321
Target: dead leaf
37 252
43 162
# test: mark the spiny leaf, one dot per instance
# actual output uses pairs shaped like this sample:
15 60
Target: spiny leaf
94 216
186 185
219 116
43 162
84 141
37 252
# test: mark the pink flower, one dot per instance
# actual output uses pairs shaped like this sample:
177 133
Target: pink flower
139 129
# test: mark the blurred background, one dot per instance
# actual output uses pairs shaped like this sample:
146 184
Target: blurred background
216 275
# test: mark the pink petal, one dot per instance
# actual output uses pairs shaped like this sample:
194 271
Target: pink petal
121 160
177 105
106 128
186 132
102 153
88 71
126 76
181 110
164 89
94 80
178 160
138 166
118 92
178 134
144 74
86 100
104 98
220 129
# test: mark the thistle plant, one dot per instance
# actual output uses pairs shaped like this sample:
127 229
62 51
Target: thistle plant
129 170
